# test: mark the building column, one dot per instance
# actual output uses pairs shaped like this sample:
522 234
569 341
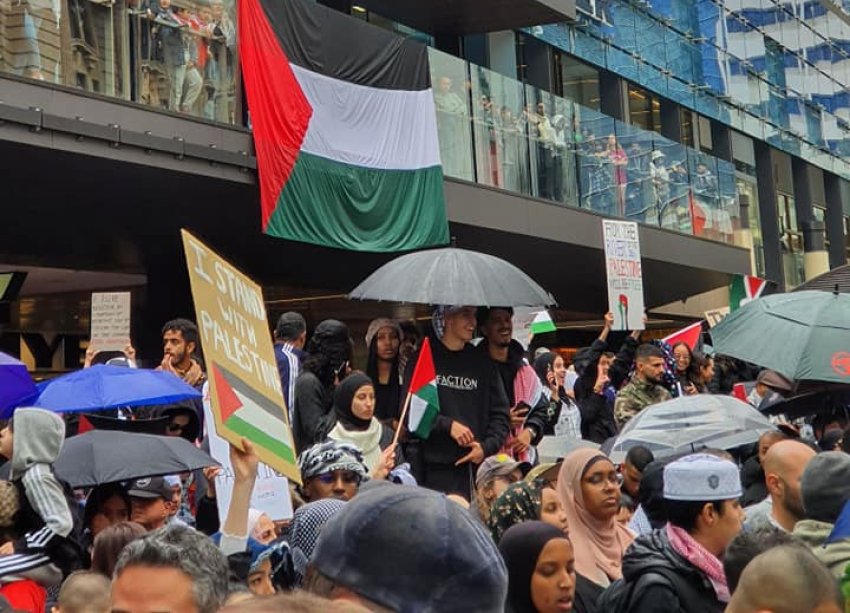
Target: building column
834 188
768 214
721 140
815 259
614 94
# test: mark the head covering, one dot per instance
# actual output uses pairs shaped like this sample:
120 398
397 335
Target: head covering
10 503
518 503
330 456
39 435
598 545
543 364
387 539
307 524
150 488
775 381
438 318
254 516
521 547
701 477
499 465
830 439
376 325
825 487
541 472
344 396
657 155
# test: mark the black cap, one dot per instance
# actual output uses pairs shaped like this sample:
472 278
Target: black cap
150 487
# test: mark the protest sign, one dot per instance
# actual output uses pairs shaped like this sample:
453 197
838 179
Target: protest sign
625 280
110 320
245 392
271 490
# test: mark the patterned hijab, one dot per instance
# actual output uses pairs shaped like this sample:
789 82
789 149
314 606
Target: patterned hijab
599 545
307 524
518 503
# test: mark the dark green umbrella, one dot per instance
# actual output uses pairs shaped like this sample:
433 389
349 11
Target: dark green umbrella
804 336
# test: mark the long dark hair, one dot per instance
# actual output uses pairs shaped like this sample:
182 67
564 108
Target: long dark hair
98 496
328 350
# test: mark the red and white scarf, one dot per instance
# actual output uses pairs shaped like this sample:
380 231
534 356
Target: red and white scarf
705 561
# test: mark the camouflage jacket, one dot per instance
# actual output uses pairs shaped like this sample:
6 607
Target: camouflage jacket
635 396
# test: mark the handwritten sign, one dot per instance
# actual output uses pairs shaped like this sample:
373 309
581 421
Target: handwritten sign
110 320
271 490
625 277
245 391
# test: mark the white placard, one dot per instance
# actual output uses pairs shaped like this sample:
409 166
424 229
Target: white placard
110 320
625 278
522 319
271 491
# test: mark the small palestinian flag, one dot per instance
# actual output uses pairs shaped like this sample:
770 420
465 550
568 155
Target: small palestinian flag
345 129
690 336
542 323
744 289
424 399
251 415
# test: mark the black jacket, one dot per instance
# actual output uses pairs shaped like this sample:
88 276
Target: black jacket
536 418
313 402
597 410
656 579
471 392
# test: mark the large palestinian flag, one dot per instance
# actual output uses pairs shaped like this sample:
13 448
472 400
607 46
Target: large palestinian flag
344 128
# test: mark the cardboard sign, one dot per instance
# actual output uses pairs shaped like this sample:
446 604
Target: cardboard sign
715 316
271 490
110 321
245 392
625 278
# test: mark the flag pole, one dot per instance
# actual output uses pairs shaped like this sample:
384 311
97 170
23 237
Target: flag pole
401 419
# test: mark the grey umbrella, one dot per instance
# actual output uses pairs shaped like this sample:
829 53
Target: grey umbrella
691 423
105 456
452 276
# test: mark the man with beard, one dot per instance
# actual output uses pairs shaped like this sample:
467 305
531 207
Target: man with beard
522 386
179 343
784 464
644 389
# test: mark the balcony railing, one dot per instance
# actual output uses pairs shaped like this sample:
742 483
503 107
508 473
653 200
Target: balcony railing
495 131
173 57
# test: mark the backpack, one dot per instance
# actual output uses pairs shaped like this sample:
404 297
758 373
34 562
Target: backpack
620 596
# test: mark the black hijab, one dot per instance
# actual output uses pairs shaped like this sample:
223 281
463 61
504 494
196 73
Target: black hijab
344 396
520 548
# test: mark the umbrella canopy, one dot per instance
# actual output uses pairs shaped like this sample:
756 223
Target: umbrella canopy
16 385
554 448
452 276
106 456
106 387
804 336
690 423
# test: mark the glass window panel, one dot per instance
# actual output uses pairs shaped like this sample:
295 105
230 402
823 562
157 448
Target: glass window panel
550 126
727 219
451 100
637 191
704 187
670 181
596 169
622 63
579 81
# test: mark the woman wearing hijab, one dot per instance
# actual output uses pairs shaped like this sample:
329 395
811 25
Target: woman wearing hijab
564 417
589 489
541 569
522 502
307 523
383 340
354 414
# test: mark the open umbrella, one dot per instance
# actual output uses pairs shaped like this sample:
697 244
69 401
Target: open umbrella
105 456
452 276
554 448
106 387
16 385
804 336
690 423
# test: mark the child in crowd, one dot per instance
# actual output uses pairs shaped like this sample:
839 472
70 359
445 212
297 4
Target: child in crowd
31 441
84 592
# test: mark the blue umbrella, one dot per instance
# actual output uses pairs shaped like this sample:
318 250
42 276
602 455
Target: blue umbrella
108 387
16 385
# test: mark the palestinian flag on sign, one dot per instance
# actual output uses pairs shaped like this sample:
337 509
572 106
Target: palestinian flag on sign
250 414
542 323
743 289
344 127
424 398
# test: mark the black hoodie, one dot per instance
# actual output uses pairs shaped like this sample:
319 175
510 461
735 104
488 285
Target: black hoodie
656 578
471 392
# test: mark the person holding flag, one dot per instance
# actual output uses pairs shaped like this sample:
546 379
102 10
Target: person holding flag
457 406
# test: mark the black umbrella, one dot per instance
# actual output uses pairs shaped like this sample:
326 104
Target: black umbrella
106 456
452 276
825 402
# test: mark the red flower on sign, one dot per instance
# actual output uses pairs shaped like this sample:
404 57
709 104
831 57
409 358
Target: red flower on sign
841 363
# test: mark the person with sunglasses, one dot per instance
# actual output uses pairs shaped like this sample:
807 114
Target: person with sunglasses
331 470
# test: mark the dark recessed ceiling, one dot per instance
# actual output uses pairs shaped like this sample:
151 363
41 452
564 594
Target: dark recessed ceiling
458 17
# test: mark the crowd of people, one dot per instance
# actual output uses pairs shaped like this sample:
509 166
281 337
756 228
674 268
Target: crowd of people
467 517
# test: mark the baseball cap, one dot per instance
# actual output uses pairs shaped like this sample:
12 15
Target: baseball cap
150 487
547 470
499 465
378 529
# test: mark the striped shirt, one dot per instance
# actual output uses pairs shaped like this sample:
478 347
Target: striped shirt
289 366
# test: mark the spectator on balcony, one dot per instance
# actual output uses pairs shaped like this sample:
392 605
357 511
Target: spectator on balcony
619 159
219 73
452 129
186 80
544 136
